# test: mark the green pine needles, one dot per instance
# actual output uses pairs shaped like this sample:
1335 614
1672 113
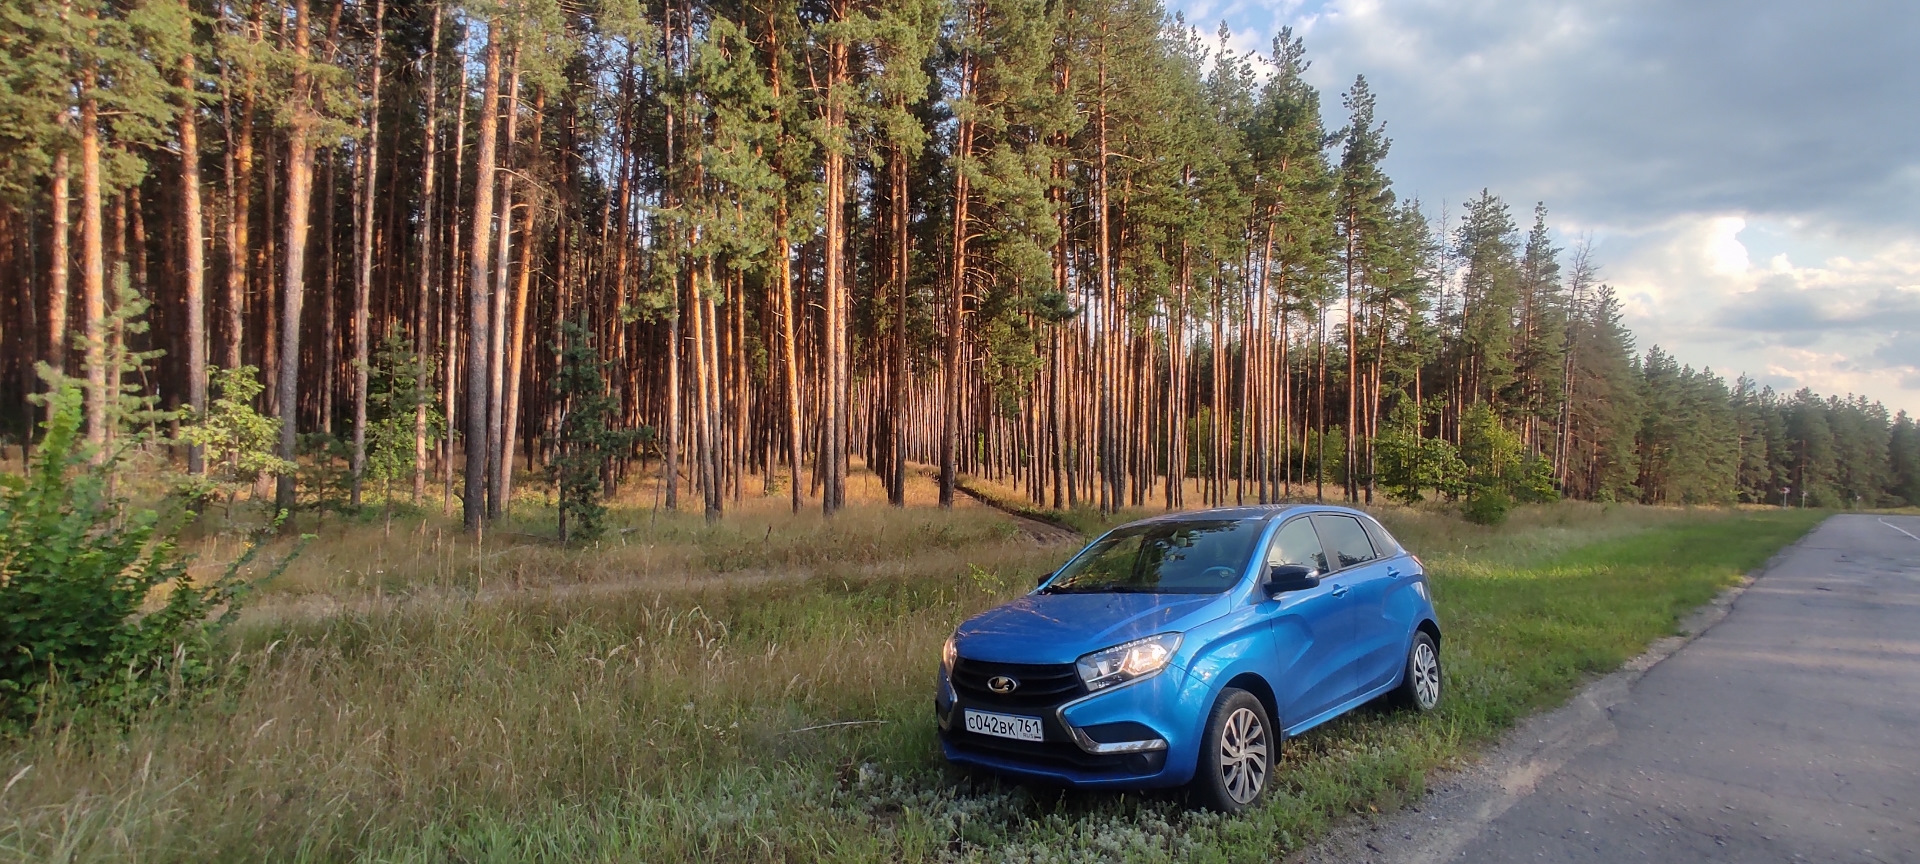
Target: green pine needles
399 399
587 443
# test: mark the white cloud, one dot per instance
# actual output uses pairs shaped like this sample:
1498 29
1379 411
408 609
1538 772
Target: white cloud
1747 169
1848 324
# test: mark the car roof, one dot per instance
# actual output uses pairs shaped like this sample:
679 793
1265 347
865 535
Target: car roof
1244 511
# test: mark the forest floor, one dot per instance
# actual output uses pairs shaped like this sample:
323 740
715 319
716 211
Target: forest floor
757 690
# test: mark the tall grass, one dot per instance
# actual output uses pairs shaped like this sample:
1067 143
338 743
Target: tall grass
758 690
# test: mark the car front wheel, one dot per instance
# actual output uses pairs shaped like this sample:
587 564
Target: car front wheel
1237 755
1420 686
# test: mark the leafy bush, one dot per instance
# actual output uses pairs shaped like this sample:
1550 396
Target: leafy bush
1497 462
1533 481
1486 506
239 441
1410 464
77 566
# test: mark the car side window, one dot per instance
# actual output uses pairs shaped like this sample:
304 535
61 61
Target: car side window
1296 543
1346 542
1383 542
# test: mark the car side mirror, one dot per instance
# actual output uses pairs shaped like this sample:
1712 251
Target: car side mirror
1282 578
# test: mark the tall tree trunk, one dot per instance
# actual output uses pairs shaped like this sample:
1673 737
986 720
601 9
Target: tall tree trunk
450 328
707 379
497 332
330 283
363 271
424 238
60 255
1353 359
1108 436
783 253
834 264
299 195
238 161
789 354
897 382
93 267
196 267
1320 409
956 290
473 505
670 465
517 339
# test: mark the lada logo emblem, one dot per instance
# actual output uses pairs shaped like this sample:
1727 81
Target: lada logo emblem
1002 685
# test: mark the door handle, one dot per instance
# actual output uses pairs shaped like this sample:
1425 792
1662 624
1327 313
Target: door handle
1339 591
1393 572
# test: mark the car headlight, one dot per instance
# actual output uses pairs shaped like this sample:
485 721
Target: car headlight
1122 663
947 656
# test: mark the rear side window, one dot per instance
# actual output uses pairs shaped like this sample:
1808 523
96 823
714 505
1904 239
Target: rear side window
1346 542
1383 542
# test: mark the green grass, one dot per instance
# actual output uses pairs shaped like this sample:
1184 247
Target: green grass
667 697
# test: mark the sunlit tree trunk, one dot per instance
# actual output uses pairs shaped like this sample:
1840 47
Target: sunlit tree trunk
93 267
473 505
299 195
424 239
363 271
59 252
517 338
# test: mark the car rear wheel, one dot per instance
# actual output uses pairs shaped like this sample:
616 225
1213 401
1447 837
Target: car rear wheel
1420 686
1237 755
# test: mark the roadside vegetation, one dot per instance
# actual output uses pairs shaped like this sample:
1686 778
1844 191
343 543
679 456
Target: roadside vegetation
757 690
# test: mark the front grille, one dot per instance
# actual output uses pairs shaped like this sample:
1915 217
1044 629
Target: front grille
1041 685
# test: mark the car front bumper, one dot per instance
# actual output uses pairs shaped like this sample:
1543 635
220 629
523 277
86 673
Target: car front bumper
1136 735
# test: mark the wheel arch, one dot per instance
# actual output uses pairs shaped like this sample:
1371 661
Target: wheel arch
1253 683
1430 628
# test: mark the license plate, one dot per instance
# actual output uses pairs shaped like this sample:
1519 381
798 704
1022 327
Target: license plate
1004 725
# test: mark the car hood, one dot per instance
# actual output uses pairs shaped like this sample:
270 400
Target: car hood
1059 628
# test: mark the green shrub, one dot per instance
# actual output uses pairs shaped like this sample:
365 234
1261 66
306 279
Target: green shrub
77 566
588 442
1487 506
239 441
1409 463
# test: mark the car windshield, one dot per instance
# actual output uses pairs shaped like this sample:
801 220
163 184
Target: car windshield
1184 557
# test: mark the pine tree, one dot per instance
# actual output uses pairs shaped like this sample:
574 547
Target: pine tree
1484 247
1539 336
1365 208
1904 457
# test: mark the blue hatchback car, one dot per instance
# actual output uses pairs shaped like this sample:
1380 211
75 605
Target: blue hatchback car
1182 650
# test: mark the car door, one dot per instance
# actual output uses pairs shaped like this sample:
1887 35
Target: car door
1308 629
1359 570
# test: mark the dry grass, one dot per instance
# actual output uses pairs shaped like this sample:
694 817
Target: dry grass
753 690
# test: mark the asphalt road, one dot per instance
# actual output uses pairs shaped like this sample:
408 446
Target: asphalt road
1790 731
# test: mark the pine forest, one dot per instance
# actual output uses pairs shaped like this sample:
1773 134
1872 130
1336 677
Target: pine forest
730 248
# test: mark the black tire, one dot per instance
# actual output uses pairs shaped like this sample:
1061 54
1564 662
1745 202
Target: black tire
1420 684
1237 755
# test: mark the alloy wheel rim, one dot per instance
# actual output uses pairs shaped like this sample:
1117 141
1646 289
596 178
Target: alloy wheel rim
1426 675
1243 755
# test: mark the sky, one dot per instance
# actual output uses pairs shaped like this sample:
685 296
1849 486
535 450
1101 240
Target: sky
1746 171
